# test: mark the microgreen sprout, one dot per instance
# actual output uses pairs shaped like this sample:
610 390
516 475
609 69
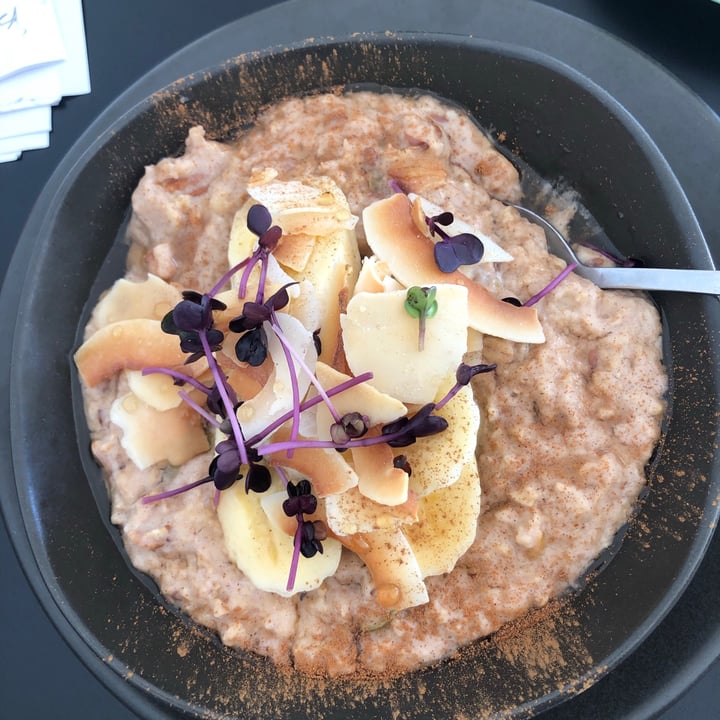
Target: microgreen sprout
259 222
452 251
420 303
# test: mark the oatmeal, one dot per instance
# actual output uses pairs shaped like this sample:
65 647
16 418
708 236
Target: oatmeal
568 417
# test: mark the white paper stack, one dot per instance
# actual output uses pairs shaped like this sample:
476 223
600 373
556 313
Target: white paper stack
43 58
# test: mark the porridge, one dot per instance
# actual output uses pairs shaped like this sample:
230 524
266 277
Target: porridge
520 431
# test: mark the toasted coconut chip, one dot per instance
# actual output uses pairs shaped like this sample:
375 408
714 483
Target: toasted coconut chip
380 336
392 564
316 205
326 468
447 523
378 479
150 436
395 239
415 168
422 208
128 344
293 251
437 461
126 300
378 407
375 276
351 512
332 269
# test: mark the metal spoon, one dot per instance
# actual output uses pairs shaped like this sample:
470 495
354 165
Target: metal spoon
694 281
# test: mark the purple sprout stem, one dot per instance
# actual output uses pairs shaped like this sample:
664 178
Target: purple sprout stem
297 541
229 409
289 357
199 409
177 376
552 285
251 262
307 404
288 445
260 298
449 395
299 360
226 277
177 491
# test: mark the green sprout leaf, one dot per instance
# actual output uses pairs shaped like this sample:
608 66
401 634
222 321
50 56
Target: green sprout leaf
420 303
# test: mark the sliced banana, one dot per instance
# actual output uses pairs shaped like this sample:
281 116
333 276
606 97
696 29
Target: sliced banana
263 550
447 523
350 512
436 461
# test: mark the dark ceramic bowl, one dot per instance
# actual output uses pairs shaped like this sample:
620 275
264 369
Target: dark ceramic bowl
151 655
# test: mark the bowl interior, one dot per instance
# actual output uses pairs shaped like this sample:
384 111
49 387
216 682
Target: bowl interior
557 122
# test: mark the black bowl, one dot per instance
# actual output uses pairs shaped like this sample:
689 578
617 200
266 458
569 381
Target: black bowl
553 119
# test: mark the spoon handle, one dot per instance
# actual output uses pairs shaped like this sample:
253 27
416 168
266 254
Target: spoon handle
692 281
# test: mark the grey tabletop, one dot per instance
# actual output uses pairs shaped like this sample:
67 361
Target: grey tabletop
39 675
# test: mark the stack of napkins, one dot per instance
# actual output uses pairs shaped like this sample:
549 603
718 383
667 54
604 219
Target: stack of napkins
43 57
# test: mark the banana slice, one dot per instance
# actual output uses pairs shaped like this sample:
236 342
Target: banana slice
263 550
447 523
437 461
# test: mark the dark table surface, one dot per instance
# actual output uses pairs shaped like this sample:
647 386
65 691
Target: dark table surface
39 676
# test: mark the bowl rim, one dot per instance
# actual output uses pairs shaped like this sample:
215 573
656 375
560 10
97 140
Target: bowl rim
100 132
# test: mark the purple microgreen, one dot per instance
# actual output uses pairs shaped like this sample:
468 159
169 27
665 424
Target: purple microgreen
395 186
452 251
259 222
258 478
255 314
227 276
420 303
251 347
225 466
627 262
551 285
512 301
198 409
307 404
350 426
229 405
402 463
399 433
406 430
463 375
176 491
307 541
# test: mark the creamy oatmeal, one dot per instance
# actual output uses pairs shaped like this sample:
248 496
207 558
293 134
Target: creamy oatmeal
566 425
